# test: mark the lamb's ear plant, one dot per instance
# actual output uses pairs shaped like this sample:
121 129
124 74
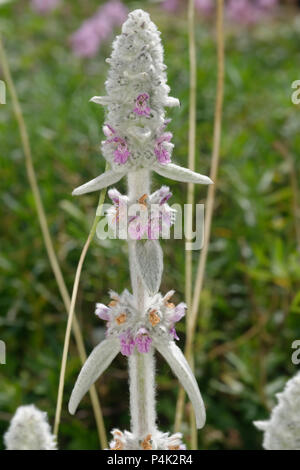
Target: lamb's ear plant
29 430
143 321
282 430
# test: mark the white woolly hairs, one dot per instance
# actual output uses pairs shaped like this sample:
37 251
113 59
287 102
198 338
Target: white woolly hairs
29 430
282 430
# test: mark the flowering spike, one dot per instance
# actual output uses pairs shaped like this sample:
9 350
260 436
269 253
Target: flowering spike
137 94
136 142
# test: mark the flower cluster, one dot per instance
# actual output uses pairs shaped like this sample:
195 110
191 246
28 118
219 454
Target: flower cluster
86 41
156 441
137 95
148 217
135 331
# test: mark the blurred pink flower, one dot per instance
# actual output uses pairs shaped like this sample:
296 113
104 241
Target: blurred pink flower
86 41
249 12
44 6
170 5
241 11
267 3
204 6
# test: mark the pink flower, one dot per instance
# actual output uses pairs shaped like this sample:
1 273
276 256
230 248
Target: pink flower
160 150
170 5
204 6
127 343
143 341
86 41
44 6
177 315
137 228
102 312
108 130
179 312
141 105
173 333
268 4
164 195
244 11
121 153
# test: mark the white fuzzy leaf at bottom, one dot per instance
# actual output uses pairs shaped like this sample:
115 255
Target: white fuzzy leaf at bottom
182 370
99 359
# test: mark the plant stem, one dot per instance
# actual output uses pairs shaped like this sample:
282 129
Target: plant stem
191 187
192 149
46 234
141 366
71 314
191 323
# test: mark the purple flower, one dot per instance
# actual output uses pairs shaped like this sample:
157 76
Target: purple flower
127 343
179 312
121 153
243 11
176 315
173 333
44 6
268 4
141 105
160 150
204 6
164 194
86 41
143 340
108 130
136 229
170 5
102 312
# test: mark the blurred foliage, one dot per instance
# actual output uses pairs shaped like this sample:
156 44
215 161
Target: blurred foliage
246 323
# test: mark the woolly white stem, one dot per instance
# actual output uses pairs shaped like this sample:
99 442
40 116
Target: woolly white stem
141 366
142 393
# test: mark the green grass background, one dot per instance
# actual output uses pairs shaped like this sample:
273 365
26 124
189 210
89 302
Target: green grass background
253 272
